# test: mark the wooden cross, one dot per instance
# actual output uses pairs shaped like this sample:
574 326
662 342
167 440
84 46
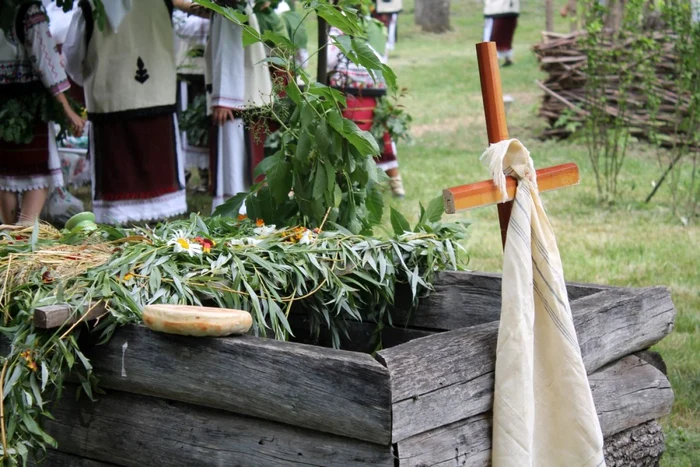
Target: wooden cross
474 195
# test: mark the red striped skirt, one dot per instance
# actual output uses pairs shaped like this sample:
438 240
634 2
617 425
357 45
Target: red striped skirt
360 110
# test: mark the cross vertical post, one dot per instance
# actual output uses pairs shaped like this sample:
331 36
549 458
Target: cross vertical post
495 113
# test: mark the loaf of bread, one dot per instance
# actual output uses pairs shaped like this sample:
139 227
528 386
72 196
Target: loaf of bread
196 320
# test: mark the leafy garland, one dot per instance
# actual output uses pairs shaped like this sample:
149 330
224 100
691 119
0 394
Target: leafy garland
334 277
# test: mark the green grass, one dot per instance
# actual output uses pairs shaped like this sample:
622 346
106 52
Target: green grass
627 244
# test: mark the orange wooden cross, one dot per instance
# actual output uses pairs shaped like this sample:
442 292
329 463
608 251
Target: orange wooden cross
474 195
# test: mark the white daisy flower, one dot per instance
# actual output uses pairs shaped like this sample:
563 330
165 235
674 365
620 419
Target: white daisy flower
264 230
253 241
181 244
307 237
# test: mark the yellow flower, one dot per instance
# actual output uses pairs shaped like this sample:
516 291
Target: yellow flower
181 244
127 277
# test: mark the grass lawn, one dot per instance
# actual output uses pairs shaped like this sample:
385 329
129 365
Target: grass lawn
627 244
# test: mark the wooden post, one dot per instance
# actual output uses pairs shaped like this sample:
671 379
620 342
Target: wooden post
495 112
322 65
549 15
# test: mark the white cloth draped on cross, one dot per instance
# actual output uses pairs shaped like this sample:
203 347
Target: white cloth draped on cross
543 411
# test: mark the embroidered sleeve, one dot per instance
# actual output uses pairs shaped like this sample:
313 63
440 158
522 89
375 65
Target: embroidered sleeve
74 47
43 52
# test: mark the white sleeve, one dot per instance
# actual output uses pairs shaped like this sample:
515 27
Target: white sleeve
190 27
74 48
43 52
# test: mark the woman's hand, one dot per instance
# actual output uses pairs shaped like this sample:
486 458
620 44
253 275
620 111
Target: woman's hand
76 121
221 115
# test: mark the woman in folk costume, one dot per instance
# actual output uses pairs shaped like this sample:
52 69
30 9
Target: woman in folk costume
128 71
237 79
191 34
362 91
31 77
387 11
501 19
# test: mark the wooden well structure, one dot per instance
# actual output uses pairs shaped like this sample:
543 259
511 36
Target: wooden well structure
423 400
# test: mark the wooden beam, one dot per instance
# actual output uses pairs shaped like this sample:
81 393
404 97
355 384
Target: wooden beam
448 376
464 299
333 391
627 393
134 431
485 193
495 113
53 458
55 316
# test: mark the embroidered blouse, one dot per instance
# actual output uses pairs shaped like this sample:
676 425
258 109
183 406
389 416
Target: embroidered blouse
345 74
35 58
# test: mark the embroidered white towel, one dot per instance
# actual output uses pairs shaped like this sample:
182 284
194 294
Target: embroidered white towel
543 411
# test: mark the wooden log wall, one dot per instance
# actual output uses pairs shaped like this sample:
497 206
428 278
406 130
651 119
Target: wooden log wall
249 401
448 377
332 391
135 431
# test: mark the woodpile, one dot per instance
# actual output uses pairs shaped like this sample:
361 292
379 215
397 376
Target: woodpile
181 401
563 58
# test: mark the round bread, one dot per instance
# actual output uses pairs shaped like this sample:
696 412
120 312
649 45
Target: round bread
196 320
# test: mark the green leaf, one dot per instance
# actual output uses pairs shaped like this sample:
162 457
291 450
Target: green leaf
231 206
435 210
279 180
7 387
336 18
303 151
375 206
389 77
363 141
322 137
344 43
364 55
154 280
320 182
293 92
399 222
264 166
308 115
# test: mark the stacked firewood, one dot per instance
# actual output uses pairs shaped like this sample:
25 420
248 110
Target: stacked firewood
563 58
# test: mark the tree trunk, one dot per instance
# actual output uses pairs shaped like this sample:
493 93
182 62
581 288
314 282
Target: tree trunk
433 15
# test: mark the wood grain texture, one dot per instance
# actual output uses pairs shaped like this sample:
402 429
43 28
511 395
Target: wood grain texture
54 458
54 316
464 299
344 393
448 376
640 446
135 431
627 393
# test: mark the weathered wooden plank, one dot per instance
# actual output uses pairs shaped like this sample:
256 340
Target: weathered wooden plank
344 393
135 431
629 392
54 316
626 393
54 458
464 299
448 376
